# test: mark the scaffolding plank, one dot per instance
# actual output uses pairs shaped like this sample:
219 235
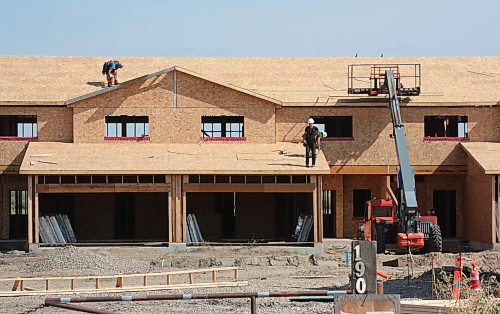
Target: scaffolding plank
62 226
194 235
188 232
69 228
302 229
41 231
308 229
298 228
57 230
197 228
49 232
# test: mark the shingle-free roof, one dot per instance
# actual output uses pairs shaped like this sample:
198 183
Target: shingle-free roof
294 81
485 154
175 68
139 158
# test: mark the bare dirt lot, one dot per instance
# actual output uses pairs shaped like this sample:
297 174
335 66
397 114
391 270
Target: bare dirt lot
266 269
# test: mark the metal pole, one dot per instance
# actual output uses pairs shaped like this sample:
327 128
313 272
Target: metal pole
253 305
197 296
78 308
65 301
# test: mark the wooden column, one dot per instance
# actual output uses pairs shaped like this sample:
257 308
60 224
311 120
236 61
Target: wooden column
30 209
315 207
178 208
36 212
177 230
185 179
170 204
320 208
339 208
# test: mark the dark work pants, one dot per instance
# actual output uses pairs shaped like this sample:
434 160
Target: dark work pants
311 148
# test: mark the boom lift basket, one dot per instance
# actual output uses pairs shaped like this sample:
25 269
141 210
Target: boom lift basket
407 78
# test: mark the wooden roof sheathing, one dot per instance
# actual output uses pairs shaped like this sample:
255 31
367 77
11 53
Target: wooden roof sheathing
138 158
485 154
467 81
102 91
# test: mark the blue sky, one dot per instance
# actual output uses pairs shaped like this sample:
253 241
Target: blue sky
224 28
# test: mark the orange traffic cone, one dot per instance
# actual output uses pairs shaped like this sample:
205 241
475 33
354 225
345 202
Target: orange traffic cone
475 283
457 277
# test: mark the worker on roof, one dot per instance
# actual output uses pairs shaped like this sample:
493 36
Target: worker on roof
311 139
110 68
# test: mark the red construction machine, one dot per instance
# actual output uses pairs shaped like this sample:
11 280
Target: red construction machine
397 221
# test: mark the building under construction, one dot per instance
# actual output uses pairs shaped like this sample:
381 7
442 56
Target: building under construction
220 138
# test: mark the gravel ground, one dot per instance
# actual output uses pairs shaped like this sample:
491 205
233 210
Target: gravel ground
264 268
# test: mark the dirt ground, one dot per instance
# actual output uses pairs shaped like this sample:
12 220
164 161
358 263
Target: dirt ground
266 269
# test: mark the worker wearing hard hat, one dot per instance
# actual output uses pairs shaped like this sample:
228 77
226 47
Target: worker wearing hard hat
311 140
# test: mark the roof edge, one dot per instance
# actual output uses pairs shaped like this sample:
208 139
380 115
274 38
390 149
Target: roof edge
174 68
32 103
485 171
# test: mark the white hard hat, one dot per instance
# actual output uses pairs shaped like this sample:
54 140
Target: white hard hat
311 120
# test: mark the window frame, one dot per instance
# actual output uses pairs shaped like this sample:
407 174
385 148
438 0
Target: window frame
462 124
116 127
229 128
20 205
17 127
332 131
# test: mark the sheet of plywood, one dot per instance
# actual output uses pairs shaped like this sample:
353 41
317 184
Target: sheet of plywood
209 158
294 81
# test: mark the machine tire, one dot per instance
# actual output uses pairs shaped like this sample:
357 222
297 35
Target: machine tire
435 239
380 237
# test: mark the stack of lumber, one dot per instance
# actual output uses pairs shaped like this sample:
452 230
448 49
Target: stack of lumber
193 230
56 229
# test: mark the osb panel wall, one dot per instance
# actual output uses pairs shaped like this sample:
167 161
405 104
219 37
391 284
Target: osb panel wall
377 185
174 121
479 213
8 183
372 128
152 97
425 195
55 124
336 182
197 97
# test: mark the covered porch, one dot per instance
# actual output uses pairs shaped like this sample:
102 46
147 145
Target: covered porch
142 193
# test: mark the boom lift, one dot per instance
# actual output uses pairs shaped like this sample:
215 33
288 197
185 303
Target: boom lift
397 221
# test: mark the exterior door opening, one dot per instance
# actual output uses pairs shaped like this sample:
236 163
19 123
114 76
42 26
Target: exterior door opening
111 217
445 205
18 214
329 212
248 217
